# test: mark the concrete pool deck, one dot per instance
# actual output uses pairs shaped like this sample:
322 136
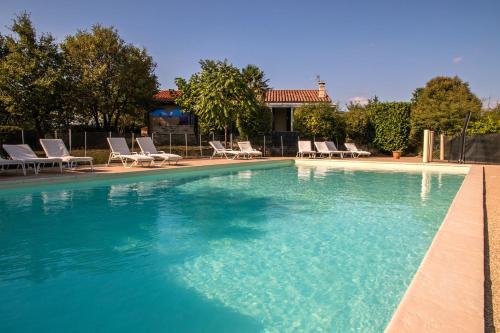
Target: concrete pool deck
448 292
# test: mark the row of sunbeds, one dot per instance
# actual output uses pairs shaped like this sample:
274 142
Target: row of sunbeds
328 149
24 157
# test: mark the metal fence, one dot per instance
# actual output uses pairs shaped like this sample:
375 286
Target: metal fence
94 143
480 148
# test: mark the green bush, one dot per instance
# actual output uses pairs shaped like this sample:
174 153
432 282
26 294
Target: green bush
358 126
391 121
488 123
319 119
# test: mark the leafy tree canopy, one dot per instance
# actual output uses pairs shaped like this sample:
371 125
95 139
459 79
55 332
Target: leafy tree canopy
319 119
110 80
222 96
30 77
487 123
442 106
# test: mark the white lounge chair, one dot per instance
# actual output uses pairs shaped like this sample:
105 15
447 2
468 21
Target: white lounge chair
325 150
56 148
4 163
246 146
121 152
25 154
219 150
305 148
148 148
351 147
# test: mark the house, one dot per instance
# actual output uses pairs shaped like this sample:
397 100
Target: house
169 118
283 102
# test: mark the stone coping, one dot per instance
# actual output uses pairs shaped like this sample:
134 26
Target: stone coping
447 292
371 165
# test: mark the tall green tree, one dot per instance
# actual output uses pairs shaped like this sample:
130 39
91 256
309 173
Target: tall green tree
221 97
111 81
256 80
442 106
319 119
30 78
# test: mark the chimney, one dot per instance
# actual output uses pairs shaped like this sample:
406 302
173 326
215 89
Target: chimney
321 89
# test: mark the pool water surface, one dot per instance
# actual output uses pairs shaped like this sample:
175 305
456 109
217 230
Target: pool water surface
273 249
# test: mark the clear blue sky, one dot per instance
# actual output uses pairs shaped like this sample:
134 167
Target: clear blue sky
360 48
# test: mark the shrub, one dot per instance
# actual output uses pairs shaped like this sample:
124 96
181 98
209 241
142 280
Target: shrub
391 121
319 119
358 126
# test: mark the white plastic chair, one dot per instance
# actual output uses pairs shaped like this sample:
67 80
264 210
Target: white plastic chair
55 148
148 148
121 152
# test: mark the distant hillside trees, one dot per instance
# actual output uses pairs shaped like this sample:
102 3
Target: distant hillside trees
93 78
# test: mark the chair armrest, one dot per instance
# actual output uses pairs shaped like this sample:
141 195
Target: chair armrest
161 152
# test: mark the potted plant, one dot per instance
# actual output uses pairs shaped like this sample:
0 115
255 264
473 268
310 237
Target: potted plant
396 154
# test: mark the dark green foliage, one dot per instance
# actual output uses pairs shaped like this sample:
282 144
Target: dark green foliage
30 78
391 121
359 127
222 96
442 106
321 120
111 82
488 122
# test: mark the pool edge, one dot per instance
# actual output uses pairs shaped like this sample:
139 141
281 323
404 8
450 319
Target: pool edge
447 291
74 178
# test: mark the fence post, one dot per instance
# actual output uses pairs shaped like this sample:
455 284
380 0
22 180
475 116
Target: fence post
186 141
109 133
281 137
425 149
153 137
431 145
133 141
441 147
264 146
69 139
22 136
55 134
170 142
213 136
201 149
231 141
85 143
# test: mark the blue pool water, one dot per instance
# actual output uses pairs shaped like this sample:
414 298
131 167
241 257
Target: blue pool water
273 249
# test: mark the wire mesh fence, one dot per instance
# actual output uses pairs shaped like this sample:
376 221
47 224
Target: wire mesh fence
480 148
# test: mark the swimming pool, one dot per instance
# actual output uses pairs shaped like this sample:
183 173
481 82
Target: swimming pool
246 249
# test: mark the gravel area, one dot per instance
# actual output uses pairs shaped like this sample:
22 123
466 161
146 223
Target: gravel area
492 304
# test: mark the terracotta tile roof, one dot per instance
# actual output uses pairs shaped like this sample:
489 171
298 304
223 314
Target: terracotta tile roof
272 96
166 95
294 96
